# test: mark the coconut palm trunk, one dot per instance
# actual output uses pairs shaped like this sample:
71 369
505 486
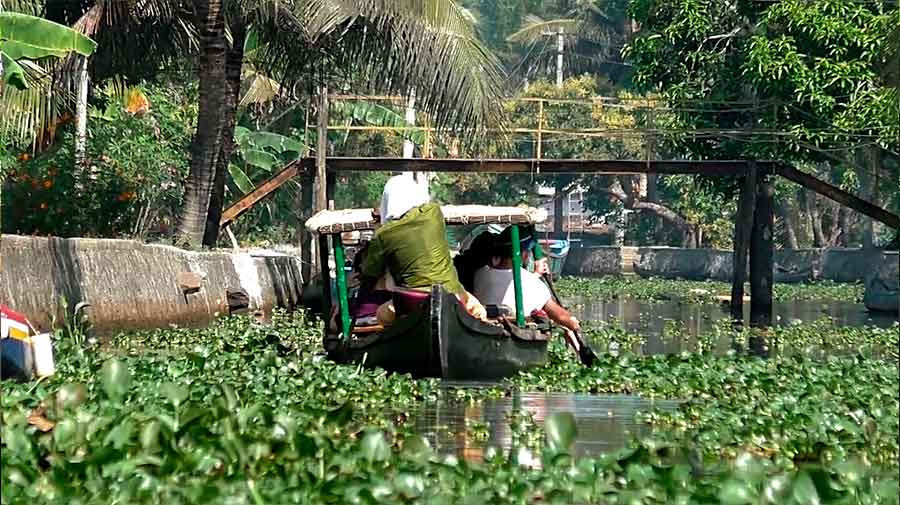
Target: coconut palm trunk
207 143
233 63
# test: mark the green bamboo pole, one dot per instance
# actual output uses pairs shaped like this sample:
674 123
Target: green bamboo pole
517 275
343 304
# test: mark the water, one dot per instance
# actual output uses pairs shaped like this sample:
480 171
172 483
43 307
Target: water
645 318
605 422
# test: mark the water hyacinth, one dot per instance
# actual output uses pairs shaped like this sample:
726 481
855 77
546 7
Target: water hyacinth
243 412
653 289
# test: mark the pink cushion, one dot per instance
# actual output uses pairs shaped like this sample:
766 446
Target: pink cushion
408 300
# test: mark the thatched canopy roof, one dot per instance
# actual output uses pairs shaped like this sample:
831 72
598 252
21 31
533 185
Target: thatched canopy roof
337 221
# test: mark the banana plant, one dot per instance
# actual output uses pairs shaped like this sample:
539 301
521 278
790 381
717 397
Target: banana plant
30 38
260 152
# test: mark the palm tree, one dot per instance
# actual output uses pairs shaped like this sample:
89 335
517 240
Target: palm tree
391 46
593 31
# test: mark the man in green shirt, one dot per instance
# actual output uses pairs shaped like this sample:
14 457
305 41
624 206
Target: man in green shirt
412 245
414 250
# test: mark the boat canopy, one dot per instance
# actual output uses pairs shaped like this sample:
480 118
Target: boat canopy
338 221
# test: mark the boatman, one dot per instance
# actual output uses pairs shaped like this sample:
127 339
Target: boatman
412 246
494 284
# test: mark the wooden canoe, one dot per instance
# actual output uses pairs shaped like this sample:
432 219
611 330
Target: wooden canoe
441 339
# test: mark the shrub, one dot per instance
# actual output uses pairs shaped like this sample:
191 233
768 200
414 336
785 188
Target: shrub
131 183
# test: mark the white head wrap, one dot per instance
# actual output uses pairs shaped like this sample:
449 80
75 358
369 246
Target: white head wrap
401 193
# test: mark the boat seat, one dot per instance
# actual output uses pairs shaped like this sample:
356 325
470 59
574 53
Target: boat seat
408 300
375 328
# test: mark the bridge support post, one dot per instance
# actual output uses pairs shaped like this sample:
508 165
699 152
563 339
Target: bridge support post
762 258
742 226
308 253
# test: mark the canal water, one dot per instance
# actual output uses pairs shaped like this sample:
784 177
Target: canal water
673 327
652 319
605 422
466 430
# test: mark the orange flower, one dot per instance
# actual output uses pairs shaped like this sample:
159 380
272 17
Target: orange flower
125 196
47 184
43 205
24 157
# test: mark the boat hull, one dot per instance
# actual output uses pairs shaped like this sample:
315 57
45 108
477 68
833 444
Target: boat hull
442 340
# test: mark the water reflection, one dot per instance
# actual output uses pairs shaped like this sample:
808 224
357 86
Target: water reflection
605 422
673 327
654 318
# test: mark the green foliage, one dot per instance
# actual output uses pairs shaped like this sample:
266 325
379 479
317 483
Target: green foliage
131 183
813 70
30 38
655 289
252 413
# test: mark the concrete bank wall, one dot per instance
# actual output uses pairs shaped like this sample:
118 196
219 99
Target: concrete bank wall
800 265
129 284
883 286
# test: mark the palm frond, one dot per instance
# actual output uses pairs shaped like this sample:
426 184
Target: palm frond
27 116
260 89
536 29
395 46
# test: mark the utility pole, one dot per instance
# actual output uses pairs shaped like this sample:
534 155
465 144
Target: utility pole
409 147
560 45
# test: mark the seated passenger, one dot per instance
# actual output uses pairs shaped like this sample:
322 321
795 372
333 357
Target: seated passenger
412 245
480 249
494 284
369 297
476 256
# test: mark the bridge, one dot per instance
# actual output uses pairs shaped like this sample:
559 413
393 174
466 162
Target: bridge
753 227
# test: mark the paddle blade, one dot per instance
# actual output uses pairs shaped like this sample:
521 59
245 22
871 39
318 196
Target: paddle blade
585 354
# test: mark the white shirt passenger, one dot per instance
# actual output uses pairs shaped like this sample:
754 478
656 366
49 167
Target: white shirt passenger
494 286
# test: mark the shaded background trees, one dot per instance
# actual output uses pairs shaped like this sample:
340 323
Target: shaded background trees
811 83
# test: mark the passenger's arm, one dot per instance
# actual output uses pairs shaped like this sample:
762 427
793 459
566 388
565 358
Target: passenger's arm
373 266
565 319
561 316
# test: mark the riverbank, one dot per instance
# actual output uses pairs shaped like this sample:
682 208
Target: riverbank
252 413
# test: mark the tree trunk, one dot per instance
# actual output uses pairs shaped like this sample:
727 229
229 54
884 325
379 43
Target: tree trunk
835 228
559 200
786 210
206 145
234 60
844 225
815 217
871 194
626 196
81 116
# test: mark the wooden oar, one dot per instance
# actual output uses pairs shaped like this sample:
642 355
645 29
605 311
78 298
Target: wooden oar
585 354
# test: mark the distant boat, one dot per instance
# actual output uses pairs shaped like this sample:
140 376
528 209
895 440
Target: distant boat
556 250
